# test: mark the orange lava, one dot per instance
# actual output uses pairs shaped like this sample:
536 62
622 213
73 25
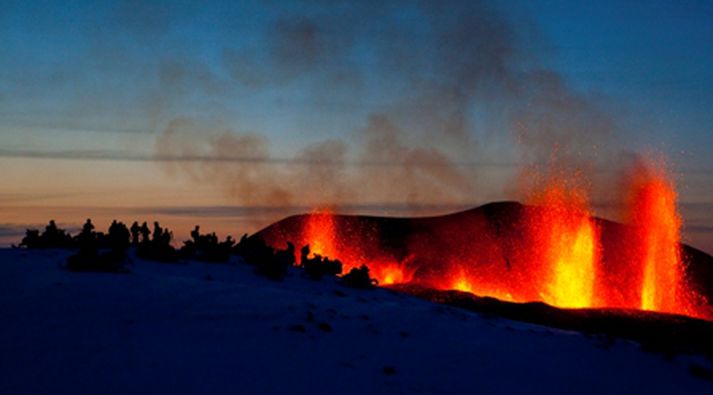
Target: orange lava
567 243
389 273
324 238
553 250
464 283
321 234
657 225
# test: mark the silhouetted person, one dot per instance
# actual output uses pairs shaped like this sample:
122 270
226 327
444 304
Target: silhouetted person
54 237
290 253
304 253
87 228
144 232
196 234
135 231
230 242
119 237
87 238
51 228
165 238
157 233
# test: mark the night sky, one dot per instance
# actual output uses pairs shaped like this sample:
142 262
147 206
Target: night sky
234 114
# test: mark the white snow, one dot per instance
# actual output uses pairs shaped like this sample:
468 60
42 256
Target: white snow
201 328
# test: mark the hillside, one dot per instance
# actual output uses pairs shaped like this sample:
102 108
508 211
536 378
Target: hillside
492 243
212 328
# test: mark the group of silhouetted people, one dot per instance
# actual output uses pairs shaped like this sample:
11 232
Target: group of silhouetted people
52 237
97 251
318 266
207 247
100 252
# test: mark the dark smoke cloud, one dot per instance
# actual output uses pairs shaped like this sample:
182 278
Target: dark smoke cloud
420 174
438 73
385 169
254 180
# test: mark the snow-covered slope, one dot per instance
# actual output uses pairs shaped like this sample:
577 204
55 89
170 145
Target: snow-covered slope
205 328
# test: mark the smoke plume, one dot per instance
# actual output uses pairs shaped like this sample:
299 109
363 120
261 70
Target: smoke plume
453 80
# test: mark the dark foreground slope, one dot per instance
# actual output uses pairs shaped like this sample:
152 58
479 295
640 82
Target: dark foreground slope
197 328
666 334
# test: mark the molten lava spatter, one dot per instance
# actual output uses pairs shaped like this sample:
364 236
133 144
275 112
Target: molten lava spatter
327 239
552 250
321 234
657 235
567 243
574 262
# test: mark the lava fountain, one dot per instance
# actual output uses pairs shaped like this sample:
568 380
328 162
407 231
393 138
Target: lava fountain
566 243
656 230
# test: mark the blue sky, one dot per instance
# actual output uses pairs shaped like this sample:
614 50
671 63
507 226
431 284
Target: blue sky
652 60
653 57
454 82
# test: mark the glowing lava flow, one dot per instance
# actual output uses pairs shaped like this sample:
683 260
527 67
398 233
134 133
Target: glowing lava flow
657 226
463 283
568 241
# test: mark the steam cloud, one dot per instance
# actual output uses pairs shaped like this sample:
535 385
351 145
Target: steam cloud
458 78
